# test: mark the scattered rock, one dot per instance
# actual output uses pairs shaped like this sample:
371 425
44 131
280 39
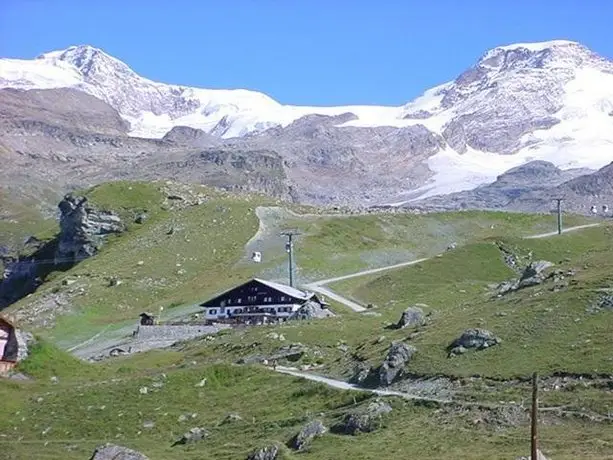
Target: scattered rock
143 390
193 435
149 424
305 436
397 358
364 421
533 275
265 453
412 316
478 339
603 303
201 383
141 218
539 455
231 418
114 452
361 373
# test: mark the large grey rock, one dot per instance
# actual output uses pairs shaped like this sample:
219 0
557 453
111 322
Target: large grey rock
534 273
115 452
193 435
397 358
305 436
265 453
412 316
311 310
82 229
478 339
364 421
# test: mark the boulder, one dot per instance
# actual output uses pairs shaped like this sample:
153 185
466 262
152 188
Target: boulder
397 358
311 310
412 316
265 453
305 436
478 339
193 435
82 229
114 452
539 455
534 274
364 421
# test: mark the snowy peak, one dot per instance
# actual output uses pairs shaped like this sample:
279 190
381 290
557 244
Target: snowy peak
89 61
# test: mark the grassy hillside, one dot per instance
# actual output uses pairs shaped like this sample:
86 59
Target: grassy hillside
85 407
181 255
552 328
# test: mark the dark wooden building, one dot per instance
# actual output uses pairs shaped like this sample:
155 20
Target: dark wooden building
259 301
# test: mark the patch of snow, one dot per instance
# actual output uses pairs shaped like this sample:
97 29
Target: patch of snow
538 46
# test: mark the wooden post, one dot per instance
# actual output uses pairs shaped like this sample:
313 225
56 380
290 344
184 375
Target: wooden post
534 417
559 209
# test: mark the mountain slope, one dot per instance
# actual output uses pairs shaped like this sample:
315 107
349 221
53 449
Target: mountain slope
549 101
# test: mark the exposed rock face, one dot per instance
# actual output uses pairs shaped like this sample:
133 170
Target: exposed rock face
364 421
20 277
397 358
305 436
412 316
265 453
478 339
114 452
184 135
82 229
533 275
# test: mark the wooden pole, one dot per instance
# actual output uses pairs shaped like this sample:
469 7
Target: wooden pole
559 200
534 417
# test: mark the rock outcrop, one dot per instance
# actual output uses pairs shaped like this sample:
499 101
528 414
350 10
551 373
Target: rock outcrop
533 275
192 436
412 316
305 436
82 229
364 421
265 453
397 358
115 452
477 339
312 310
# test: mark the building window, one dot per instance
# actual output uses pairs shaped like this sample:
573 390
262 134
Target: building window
252 298
239 300
282 298
213 311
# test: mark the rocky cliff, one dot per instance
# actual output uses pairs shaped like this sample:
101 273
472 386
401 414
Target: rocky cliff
82 232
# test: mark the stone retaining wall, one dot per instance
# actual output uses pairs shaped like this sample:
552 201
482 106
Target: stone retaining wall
174 333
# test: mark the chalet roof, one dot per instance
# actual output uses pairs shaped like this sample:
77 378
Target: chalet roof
283 288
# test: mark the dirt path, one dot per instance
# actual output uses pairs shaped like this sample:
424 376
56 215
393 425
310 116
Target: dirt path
318 286
350 386
564 230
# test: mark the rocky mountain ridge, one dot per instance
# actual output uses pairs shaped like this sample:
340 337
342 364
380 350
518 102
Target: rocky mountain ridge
547 101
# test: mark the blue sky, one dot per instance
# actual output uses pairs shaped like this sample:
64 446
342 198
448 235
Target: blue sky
308 52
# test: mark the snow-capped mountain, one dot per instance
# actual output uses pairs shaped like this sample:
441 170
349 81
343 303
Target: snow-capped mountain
550 101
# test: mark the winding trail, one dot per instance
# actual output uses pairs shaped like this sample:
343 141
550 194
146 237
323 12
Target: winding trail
339 384
319 286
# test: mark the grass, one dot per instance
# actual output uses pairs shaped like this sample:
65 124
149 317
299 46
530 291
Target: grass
68 419
541 330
